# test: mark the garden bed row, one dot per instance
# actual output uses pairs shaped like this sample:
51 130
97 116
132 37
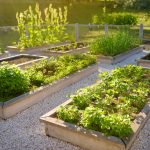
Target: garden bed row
57 51
53 49
110 49
10 107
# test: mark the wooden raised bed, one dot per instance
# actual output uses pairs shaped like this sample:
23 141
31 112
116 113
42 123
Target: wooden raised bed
81 48
89 139
38 50
23 60
146 45
20 103
5 54
50 50
118 58
144 61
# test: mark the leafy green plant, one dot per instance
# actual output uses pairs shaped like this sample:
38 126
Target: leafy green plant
13 81
110 105
123 19
69 114
68 47
113 44
111 124
53 69
35 30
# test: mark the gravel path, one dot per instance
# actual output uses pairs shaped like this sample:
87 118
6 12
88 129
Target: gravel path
24 131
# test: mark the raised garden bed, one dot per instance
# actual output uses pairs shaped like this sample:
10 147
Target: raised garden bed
118 58
11 107
38 50
96 140
72 48
116 47
4 54
146 45
144 61
53 50
78 135
23 60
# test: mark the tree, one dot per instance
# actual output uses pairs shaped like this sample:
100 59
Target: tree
137 4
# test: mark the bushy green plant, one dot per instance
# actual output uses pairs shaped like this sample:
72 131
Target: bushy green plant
122 19
53 69
113 44
110 105
13 81
134 4
116 19
112 124
35 30
69 114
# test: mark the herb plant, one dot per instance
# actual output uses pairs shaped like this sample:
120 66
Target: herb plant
113 44
110 105
13 82
69 47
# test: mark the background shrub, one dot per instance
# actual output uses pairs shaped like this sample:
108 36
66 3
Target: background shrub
122 19
13 81
134 4
113 44
116 19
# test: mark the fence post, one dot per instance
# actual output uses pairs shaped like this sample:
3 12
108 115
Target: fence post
106 29
141 32
77 32
90 27
26 30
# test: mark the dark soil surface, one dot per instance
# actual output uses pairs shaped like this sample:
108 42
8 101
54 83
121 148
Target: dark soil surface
19 60
147 57
146 42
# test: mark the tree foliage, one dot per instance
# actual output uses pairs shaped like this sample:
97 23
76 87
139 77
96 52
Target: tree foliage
137 4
